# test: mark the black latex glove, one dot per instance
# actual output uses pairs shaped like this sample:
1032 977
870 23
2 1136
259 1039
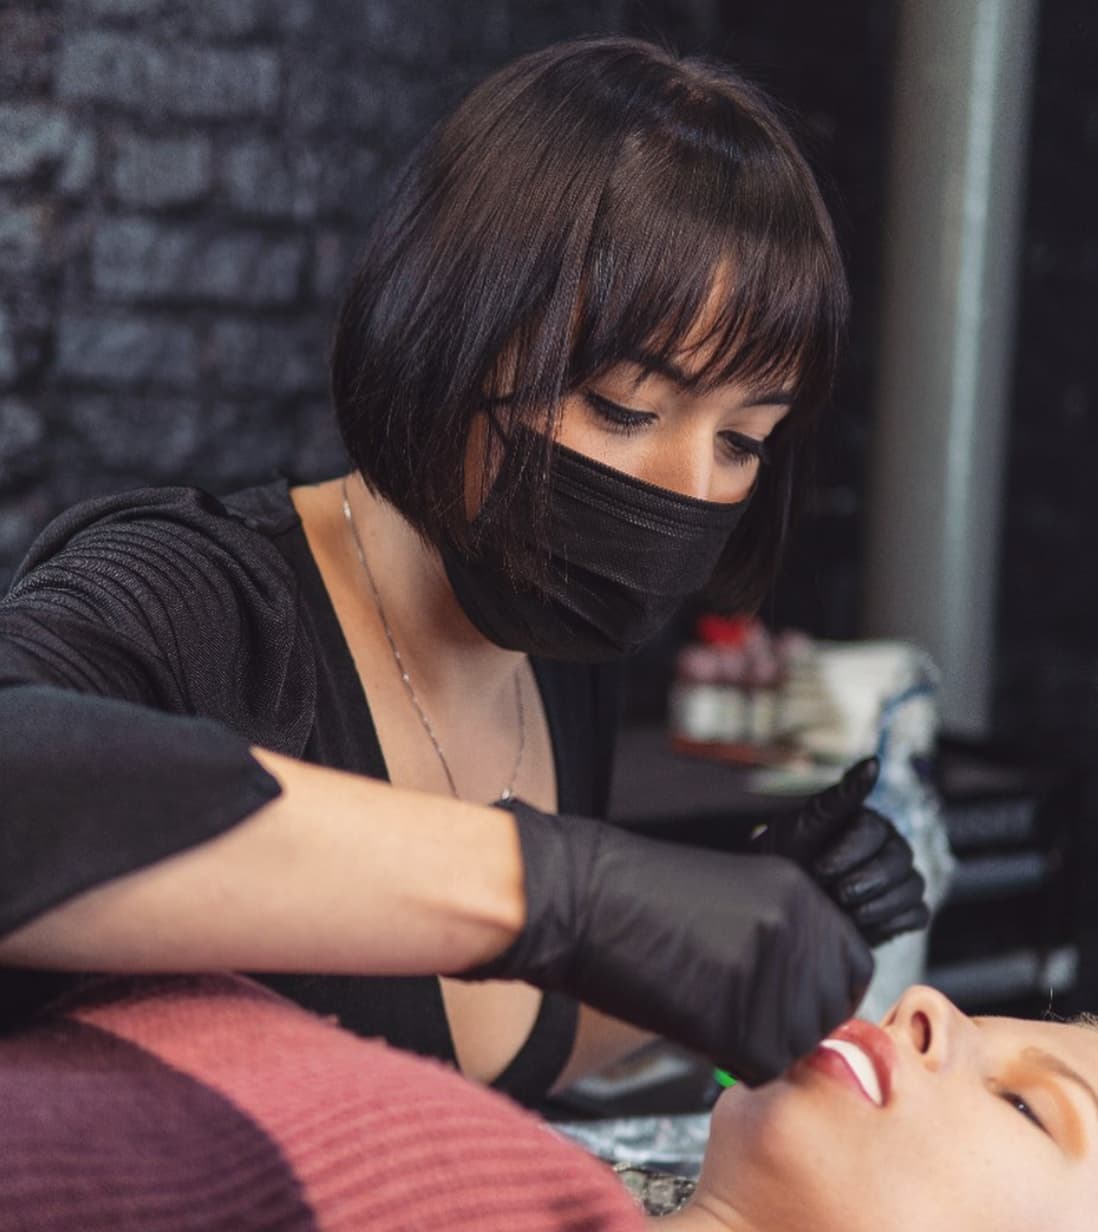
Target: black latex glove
854 854
740 957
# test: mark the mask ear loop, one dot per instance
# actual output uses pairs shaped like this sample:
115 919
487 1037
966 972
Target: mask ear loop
502 437
499 435
493 457
498 456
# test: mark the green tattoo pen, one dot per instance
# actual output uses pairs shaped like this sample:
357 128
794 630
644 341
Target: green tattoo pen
724 1078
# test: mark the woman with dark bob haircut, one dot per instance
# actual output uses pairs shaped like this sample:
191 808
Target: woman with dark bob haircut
573 371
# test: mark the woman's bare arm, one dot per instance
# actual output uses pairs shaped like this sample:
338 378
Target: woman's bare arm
340 873
600 1041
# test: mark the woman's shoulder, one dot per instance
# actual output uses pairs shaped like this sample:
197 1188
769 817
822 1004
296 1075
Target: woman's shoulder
184 591
241 523
266 507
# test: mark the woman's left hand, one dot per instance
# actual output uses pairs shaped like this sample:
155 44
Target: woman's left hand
854 854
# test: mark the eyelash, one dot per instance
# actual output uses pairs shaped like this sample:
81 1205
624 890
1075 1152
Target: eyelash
1017 1102
741 451
618 417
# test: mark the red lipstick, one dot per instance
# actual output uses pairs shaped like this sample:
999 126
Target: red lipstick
860 1055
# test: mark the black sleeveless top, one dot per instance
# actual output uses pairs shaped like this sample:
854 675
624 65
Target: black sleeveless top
173 599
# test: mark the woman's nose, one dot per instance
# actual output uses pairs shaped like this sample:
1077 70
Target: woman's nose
683 467
929 1023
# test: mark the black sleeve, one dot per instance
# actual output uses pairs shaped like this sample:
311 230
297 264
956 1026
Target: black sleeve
146 642
94 788
163 597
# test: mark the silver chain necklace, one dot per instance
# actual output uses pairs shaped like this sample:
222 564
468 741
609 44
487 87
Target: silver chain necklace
406 680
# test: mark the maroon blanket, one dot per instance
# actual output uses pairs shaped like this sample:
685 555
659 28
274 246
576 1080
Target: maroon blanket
208 1103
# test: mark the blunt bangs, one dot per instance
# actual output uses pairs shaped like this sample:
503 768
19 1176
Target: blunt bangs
710 255
596 202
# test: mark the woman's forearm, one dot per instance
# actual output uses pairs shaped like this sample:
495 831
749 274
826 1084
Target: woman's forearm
340 873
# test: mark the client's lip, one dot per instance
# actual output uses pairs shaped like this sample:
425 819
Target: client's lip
860 1054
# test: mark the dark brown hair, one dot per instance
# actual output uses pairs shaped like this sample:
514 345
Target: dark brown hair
576 210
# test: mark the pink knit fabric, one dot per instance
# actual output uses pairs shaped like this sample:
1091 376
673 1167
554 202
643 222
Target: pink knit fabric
376 1138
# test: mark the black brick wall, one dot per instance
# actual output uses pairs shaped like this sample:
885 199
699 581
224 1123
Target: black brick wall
182 187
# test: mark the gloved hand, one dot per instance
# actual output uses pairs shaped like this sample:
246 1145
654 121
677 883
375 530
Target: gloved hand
739 957
854 854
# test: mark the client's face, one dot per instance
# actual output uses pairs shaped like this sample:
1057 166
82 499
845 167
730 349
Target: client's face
932 1120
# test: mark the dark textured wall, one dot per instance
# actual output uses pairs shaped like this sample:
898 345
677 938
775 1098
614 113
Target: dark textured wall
182 186
1048 659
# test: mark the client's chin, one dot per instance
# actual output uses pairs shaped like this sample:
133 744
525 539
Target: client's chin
778 1154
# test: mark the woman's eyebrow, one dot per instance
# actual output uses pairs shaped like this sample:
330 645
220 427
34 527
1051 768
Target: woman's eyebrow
1050 1061
671 371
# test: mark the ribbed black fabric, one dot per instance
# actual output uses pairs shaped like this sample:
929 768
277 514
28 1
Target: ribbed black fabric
160 596
152 608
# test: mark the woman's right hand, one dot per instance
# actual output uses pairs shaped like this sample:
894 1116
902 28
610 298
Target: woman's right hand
739 957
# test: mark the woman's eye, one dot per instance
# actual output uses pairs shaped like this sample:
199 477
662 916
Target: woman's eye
620 418
739 449
1016 1101
743 450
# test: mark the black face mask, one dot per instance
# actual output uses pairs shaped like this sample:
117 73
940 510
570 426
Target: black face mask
623 554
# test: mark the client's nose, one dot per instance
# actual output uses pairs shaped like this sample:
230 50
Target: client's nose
928 1022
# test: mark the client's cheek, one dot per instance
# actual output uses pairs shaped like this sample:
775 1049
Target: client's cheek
763 1133
731 1111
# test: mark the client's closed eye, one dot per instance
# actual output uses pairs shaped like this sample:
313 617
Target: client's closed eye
1016 1101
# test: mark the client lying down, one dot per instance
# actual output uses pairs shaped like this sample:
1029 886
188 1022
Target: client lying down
209 1102
932 1121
